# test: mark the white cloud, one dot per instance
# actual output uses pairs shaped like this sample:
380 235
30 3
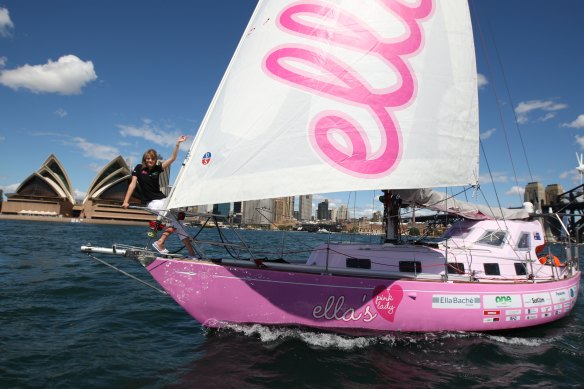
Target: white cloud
481 80
61 112
573 176
2 137
497 177
488 134
6 24
9 188
3 61
153 134
79 195
94 150
580 141
515 190
67 76
578 123
546 117
525 107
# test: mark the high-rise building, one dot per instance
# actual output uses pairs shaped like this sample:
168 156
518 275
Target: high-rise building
342 213
221 209
280 210
322 212
333 214
305 207
258 212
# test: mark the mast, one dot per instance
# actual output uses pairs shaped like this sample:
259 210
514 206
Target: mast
391 212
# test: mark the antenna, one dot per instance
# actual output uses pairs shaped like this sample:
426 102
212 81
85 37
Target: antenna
580 167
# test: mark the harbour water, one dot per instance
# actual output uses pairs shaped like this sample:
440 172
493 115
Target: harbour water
67 321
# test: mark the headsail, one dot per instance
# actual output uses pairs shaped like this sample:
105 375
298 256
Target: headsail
326 96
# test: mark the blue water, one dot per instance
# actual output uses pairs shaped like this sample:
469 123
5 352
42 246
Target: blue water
67 321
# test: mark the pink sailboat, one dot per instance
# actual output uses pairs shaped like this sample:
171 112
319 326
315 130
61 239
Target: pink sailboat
324 96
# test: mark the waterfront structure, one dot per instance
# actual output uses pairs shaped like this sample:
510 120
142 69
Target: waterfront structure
552 193
106 194
46 192
535 194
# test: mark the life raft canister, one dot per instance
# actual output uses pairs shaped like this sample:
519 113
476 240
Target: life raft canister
549 259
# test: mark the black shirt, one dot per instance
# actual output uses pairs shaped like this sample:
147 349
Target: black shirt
148 187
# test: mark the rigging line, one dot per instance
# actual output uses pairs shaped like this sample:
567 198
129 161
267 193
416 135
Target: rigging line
506 87
494 89
492 180
126 274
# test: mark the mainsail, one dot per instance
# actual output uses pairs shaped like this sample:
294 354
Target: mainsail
329 96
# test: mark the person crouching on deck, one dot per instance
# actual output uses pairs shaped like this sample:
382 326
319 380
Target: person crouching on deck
147 176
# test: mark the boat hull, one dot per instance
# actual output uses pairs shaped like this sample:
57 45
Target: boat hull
217 295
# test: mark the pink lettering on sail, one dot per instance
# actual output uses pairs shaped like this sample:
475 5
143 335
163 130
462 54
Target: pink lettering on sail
340 82
387 300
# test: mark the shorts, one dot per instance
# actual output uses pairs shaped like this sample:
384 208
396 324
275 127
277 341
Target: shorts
157 205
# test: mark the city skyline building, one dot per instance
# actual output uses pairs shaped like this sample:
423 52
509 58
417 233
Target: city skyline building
222 209
305 207
258 212
342 213
322 212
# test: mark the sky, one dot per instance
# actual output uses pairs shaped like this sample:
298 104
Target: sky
88 81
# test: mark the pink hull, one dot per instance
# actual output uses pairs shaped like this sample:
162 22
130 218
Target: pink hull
216 294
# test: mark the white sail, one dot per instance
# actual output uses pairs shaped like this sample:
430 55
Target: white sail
328 96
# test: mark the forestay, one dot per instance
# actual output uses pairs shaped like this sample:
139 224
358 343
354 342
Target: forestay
327 96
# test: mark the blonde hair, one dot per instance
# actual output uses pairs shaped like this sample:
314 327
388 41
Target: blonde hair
149 153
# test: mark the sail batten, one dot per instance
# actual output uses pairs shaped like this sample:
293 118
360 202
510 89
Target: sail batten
325 96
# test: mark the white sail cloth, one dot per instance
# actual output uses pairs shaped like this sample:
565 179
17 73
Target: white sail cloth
337 96
427 198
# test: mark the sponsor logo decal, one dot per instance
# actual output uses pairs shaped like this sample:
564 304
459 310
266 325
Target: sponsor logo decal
441 301
513 312
536 299
530 317
559 296
491 313
513 318
502 301
490 319
531 310
206 159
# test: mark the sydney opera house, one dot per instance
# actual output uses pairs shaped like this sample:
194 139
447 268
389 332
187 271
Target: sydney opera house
48 193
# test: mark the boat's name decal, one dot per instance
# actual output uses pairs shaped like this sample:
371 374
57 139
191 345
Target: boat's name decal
334 309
